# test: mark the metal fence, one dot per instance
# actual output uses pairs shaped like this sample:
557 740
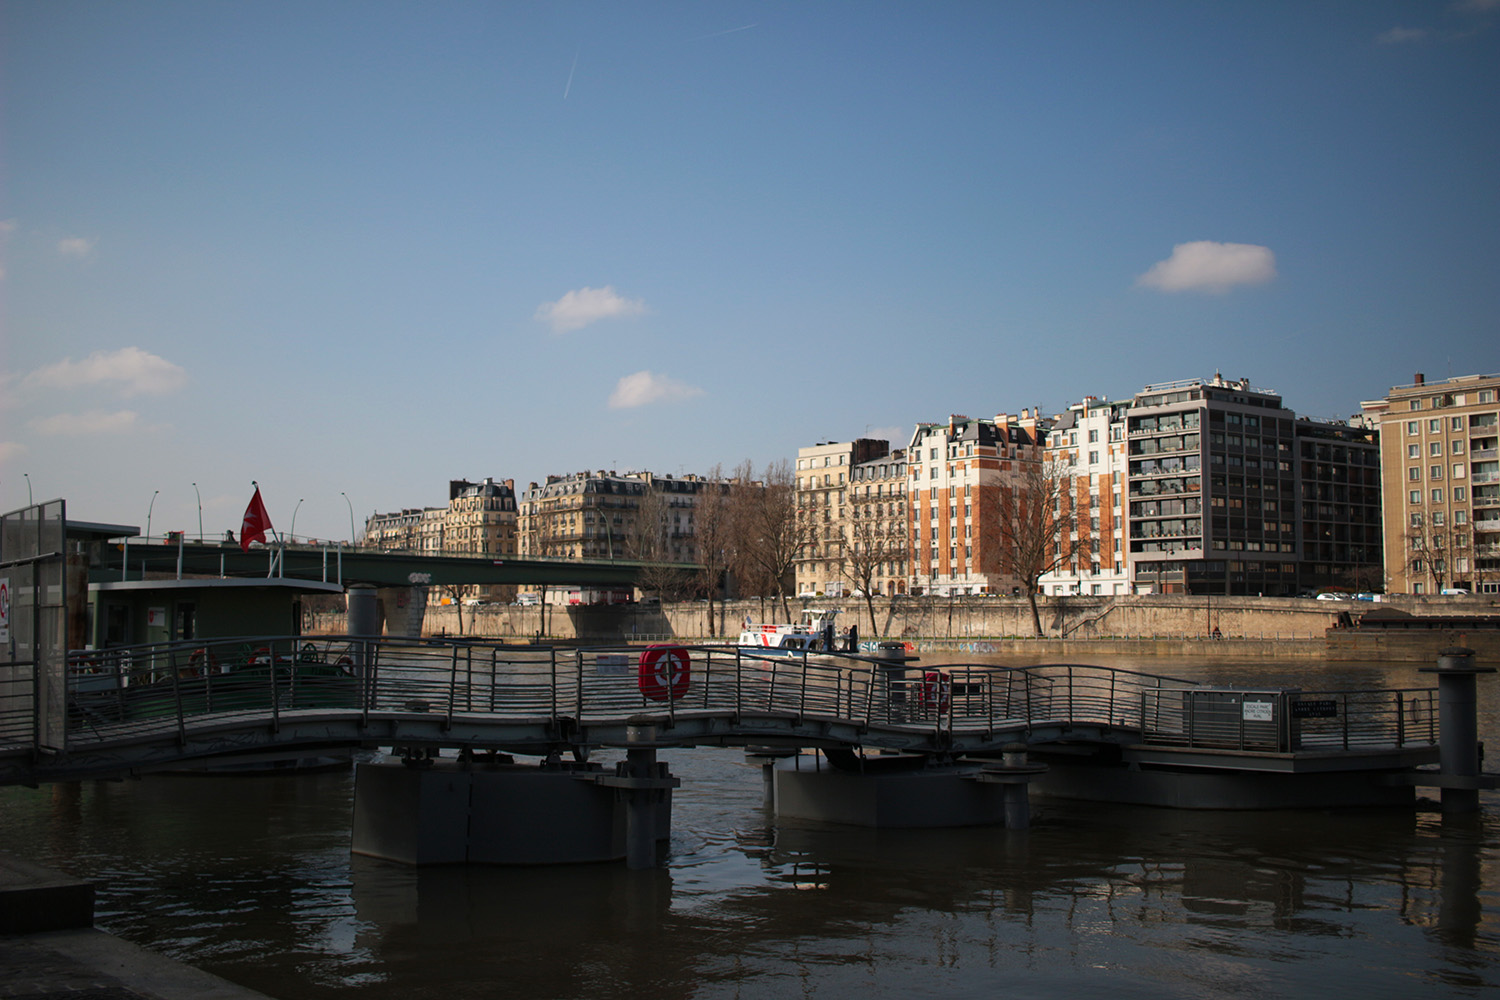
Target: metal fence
133 692
1282 721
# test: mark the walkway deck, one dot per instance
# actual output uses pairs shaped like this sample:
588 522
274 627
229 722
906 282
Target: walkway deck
150 707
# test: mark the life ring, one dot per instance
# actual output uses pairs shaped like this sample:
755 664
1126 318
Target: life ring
345 661
936 690
201 662
665 672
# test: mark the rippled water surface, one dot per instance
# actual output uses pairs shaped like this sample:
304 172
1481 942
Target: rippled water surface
252 878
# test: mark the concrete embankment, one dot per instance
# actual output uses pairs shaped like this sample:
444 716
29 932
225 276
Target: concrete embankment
1147 625
50 948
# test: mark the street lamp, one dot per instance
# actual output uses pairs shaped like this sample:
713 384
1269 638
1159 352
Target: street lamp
200 511
148 513
351 516
29 502
292 535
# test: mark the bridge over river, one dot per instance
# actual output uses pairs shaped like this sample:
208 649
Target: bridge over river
459 710
147 707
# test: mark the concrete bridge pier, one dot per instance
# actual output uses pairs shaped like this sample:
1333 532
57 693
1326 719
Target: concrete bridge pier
908 792
1458 727
487 809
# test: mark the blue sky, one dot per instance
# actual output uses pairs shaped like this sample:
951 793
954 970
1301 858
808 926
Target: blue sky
364 248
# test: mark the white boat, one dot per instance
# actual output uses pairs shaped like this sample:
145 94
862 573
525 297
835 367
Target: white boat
814 633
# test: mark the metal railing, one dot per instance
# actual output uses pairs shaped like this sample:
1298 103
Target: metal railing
1281 721
143 692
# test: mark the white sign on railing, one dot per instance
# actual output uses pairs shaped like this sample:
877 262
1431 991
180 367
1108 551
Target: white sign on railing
1258 711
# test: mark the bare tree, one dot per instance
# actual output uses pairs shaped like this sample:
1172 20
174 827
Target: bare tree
874 539
769 534
1428 545
1035 515
648 539
713 534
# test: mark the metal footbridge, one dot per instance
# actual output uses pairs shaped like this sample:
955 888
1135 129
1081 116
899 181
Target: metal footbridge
141 708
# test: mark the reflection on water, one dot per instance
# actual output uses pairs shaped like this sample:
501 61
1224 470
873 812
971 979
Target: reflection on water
252 878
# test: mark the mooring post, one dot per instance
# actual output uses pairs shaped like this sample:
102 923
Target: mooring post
640 801
1017 794
1458 726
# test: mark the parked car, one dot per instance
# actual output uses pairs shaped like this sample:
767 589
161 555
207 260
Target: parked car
1329 595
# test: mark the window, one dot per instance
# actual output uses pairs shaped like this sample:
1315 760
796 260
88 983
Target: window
1460 517
1458 447
1456 423
1093 457
1415 404
1438 520
1437 496
1435 425
1458 470
1435 472
1415 496
1411 428
1416 519
1435 448
1413 451
1486 395
1413 474
1460 494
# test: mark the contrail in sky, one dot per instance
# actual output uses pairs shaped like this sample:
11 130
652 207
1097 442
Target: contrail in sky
726 31
570 75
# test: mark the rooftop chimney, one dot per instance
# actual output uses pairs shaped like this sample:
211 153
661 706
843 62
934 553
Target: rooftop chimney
1420 378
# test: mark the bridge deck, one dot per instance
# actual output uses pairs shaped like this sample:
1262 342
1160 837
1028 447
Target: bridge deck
154 706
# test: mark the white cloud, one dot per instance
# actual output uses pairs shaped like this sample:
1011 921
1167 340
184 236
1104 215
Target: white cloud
91 422
645 388
138 372
1206 266
11 450
1399 36
577 309
76 246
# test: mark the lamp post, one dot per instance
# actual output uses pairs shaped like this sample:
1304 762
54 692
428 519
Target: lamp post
149 509
292 535
351 516
200 511
29 502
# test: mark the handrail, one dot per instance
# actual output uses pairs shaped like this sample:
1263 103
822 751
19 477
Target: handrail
126 694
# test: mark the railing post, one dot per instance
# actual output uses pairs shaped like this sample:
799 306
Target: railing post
1400 719
452 688
275 701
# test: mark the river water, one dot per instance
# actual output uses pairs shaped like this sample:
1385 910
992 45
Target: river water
251 878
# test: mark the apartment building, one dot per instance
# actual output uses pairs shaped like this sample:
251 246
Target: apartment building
957 475
605 515
1440 478
479 518
877 528
1086 446
1231 493
823 475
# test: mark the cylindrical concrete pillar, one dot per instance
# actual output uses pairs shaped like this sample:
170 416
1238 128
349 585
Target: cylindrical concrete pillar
1017 795
363 611
1458 724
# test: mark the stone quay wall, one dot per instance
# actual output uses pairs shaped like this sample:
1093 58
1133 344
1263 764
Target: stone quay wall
1144 625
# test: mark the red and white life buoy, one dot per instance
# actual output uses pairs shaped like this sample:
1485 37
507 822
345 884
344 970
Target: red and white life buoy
666 672
936 690
202 662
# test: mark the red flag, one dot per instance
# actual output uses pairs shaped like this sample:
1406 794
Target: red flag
257 523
